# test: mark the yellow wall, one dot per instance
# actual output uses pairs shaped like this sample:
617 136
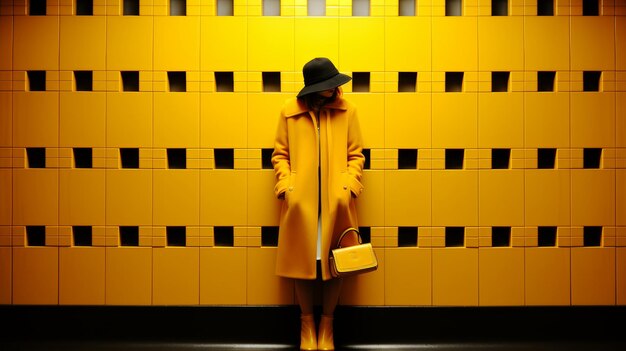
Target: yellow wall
204 199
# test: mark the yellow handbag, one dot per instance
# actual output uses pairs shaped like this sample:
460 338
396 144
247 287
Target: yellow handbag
357 259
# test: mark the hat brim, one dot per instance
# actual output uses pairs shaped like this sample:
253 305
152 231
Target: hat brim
335 81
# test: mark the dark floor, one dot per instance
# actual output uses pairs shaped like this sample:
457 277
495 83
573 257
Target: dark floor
189 346
90 328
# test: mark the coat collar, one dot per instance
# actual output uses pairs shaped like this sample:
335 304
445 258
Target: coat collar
298 107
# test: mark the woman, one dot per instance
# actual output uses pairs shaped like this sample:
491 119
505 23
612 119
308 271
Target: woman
318 162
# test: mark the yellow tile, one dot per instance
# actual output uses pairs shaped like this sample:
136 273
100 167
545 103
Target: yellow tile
36 42
82 42
176 276
455 198
75 129
35 276
463 54
128 276
593 276
547 197
407 198
177 43
408 277
219 286
82 276
500 43
547 276
361 44
270 44
35 120
176 198
552 52
501 197
501 276
408 121
181 132
263 285
455 277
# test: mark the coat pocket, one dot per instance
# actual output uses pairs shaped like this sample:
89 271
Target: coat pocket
290 186
345 194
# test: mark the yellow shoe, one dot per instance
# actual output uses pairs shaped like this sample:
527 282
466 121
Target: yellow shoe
325 341
308 338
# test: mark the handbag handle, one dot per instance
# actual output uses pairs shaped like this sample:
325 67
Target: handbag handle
346 232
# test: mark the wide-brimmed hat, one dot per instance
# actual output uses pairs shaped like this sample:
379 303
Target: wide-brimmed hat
320 74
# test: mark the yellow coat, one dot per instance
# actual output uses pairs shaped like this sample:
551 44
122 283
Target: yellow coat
296 156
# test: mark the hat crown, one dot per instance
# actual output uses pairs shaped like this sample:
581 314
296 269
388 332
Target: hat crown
318 70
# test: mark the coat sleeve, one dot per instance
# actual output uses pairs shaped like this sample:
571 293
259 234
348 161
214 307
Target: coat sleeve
280 157
356 159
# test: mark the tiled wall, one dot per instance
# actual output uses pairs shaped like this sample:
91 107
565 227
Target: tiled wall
134 149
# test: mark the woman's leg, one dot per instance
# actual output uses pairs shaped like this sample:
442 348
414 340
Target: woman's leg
332 290
304 294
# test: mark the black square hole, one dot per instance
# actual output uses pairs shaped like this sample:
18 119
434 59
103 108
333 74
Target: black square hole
407 236
266 158
407 82
455 236
591 80
546 236
592 236
366 234
546 158
592 157
500 81
271 7
36 157
591 8
130 80
130 157
499 7
406 7
454 7
177 158
36 80
225 236
454 158
407 158
84 7
501 236
35 235
176 235
177 81
129 236
454 82
545 7
131 7
83 80
366 154
224 158
360 82
500 158
269 236
37 7
545 80
224 82
178 7
225 7
83 157
82 235
271 81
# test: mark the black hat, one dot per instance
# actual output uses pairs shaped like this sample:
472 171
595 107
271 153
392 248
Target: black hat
320 74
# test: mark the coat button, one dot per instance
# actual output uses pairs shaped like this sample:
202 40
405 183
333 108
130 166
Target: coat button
345 187
290 188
